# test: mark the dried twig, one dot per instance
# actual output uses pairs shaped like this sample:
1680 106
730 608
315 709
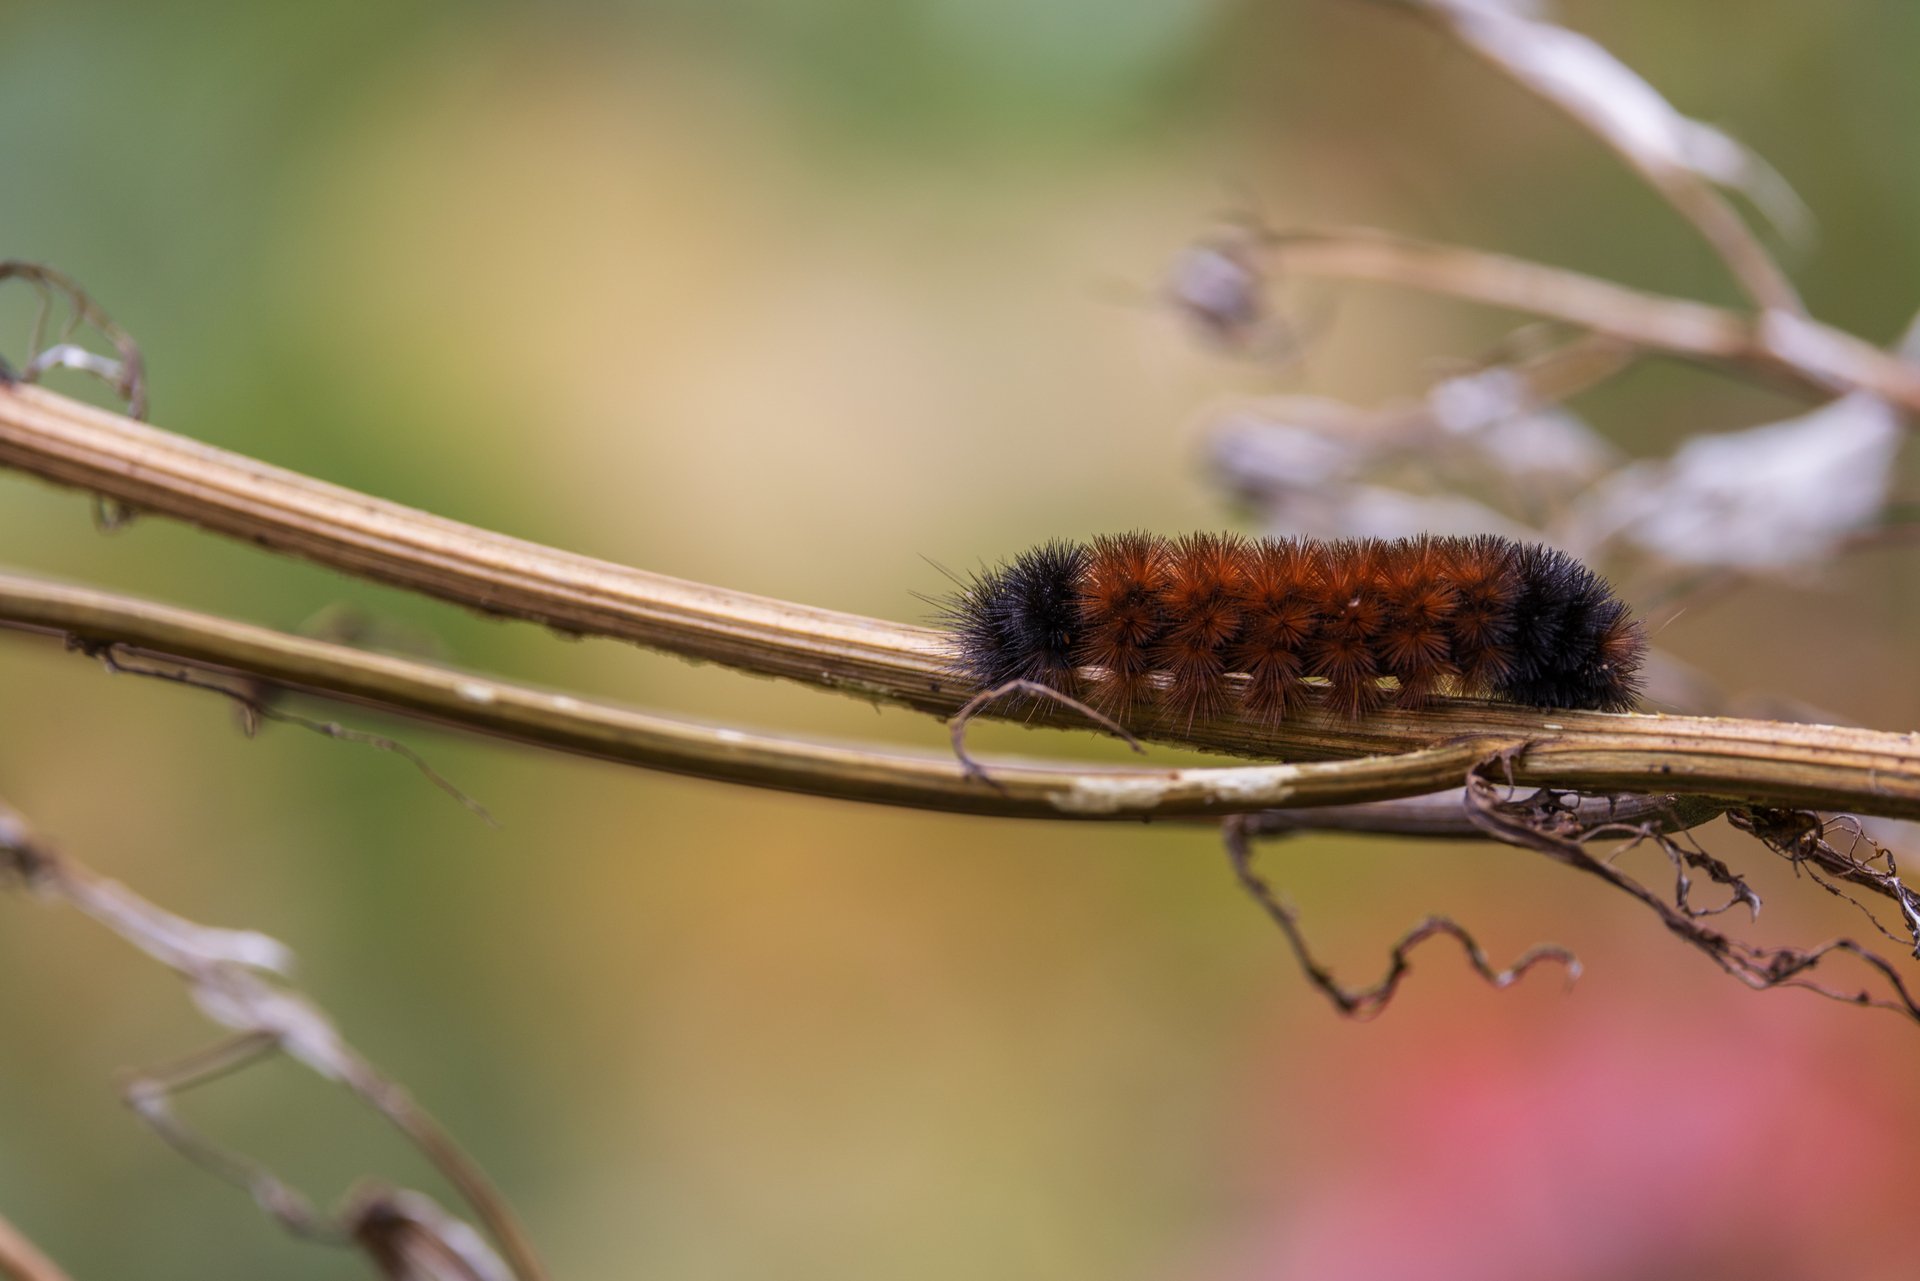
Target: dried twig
150 1094
1764 762
1416 753
1541 822
126 374
1031 690
1366 1003
404 1233
231 975
1680 158
22 1260
1492 429
1814 357
1443 816
503 709
410 1238
255 709
1800 837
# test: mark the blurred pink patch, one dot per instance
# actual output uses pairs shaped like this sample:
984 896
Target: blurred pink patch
1639 1146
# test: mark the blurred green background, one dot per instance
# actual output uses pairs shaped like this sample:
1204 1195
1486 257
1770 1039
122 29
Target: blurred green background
790 296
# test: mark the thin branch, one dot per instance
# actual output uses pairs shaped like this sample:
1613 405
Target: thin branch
410 1238
232 976
1031 690
61 440
405 1234
22 1260
1366 1003
126 374
1537 56
566 722
1541 823
1417 753
1443 816
256 709
1801 839
150 1095
1812 356
1507 384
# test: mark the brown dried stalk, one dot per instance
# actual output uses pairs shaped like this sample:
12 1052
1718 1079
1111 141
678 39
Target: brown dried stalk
1764 762
1368 1002
1542 822
231 975
1567 829
1609 101
118 629
125 373
1776 344
22 1260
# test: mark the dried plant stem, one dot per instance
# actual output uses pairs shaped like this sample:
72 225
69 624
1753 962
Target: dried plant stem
1444 816
570 723
61 440
1771 763
235 978
1540 823
126 373
1777 343
1691 195
22 1260
1728 235
1369 1002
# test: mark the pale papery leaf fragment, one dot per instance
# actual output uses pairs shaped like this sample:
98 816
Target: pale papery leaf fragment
1775 497
1551 444
1497 411
1287 443
1616 103
178 943
1318 466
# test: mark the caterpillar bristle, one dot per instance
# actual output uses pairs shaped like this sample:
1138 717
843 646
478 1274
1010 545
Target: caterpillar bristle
1200 611
1017 621
1278 618
1343 649
1481 570
1119 614
1198 625
1420 602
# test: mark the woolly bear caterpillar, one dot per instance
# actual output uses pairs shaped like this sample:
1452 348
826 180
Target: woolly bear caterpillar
1137 619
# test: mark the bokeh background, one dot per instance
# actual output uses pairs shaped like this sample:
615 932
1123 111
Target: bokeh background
796 297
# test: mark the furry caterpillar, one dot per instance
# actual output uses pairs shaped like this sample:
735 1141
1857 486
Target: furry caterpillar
1168 622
